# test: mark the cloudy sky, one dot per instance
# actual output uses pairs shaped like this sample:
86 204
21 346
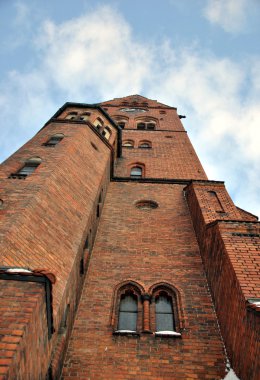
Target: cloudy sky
201 56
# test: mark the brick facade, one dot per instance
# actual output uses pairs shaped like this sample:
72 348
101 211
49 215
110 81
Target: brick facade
77 217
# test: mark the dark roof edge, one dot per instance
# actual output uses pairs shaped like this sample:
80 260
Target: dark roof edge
247 212
83 105
180 181
86 105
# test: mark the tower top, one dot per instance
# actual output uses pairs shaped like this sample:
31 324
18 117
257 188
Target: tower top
135 100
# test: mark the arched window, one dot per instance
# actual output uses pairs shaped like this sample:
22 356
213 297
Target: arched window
71 116
150 126
127 319
145 145
54 140
141 126
164 313
136 172
28 168
121 121
128 144
106 133
146 124
84 116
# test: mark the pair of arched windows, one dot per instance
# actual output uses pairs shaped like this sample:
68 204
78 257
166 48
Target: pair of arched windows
143 312
142 144
78 116
150 126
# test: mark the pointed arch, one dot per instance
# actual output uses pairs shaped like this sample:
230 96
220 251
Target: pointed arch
127 306
166 309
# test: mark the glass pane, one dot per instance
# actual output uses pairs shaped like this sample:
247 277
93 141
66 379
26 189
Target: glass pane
164 322
127 321
136 172
27 170
163 305
128 303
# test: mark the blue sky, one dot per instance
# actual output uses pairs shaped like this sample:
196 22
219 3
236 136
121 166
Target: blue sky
202 56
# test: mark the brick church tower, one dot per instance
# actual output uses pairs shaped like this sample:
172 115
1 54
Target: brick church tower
119 258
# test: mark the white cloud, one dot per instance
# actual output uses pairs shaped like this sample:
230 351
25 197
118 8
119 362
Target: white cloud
229 14
88 61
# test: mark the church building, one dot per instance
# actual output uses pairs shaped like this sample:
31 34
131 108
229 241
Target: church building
120 259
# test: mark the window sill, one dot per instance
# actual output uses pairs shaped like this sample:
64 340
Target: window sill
126 332
17 176
167 334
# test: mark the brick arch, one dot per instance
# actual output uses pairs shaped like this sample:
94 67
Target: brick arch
138 164
120 289
172 292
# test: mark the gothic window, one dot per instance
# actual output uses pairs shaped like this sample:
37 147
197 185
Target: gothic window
128 144
106 133
164 313
54 140
28 168
84 116
72 116
127 319
136 172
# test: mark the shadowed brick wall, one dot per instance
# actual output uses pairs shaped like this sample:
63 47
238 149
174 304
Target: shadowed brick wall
147 247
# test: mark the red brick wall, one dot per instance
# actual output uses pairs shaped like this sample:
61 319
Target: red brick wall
230 252
46 217
147 247
24 347
168 158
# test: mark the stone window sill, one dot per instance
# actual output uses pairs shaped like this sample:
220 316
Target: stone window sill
126 332
167 334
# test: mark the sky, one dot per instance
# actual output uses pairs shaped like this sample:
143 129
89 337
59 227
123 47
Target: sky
201 56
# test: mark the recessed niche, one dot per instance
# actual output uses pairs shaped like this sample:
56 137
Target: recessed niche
94 146
168 137
146 205
1 204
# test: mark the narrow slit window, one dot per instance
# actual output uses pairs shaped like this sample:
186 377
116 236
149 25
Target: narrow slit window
28 168
106 133
54 140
